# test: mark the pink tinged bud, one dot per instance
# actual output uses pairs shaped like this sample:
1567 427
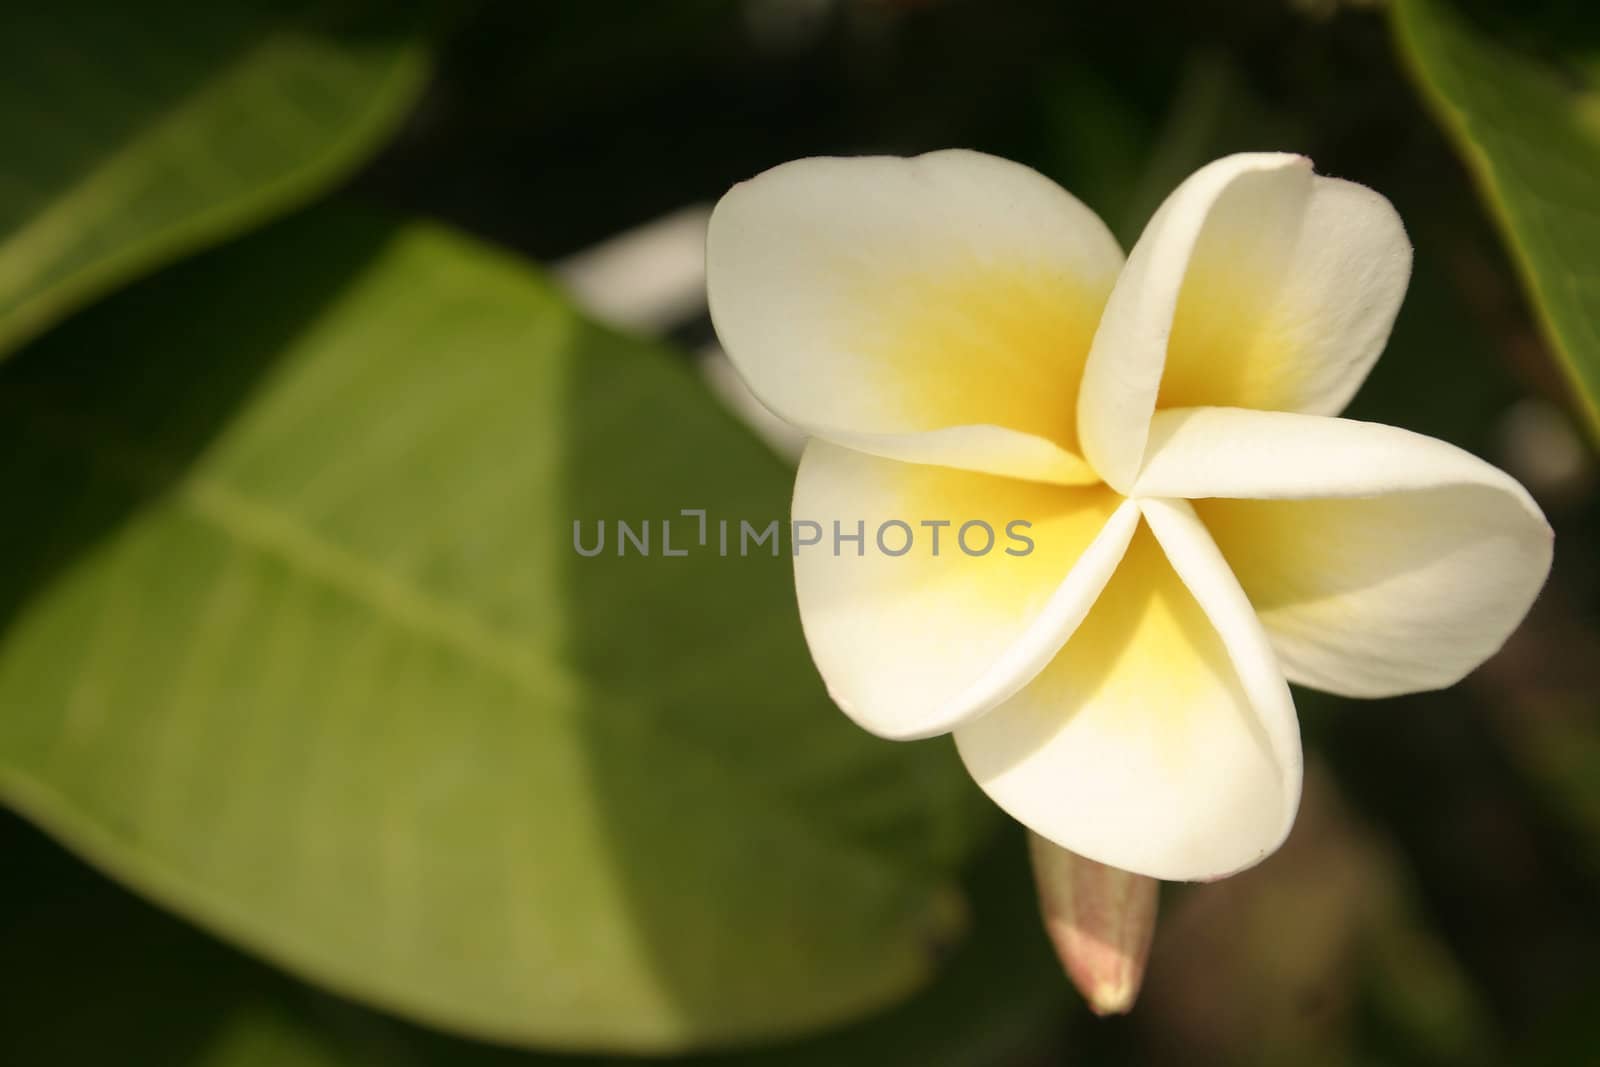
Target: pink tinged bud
1100 919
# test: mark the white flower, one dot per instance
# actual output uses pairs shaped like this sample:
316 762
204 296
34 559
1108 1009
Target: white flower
964 341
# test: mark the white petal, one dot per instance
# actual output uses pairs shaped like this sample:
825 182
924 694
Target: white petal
911 645
871 300
1380 561
987 449
1162 739
1257 284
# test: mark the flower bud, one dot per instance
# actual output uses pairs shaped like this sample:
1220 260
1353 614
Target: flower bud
1100 920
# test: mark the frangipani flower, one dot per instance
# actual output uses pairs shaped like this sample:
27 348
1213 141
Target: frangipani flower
964 341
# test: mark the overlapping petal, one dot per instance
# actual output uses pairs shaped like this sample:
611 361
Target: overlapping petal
911 643
964 343
936 309
1257 284
1162 739
1380 561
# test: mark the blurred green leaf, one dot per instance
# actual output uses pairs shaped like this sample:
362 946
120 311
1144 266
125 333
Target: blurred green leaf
138 132
1000 999
112 980
1529 127
295 641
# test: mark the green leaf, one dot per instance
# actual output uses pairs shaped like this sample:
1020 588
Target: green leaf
295 641
1529 128
136 133
1001 999
112 980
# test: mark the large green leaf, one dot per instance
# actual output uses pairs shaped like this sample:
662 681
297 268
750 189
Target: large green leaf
112 981
1530 130
137 132
293 638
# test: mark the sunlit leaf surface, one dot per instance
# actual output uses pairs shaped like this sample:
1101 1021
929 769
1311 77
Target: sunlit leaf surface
294 640
111 980
1529 127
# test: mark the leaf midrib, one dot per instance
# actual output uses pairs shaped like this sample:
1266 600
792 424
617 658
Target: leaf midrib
261 528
